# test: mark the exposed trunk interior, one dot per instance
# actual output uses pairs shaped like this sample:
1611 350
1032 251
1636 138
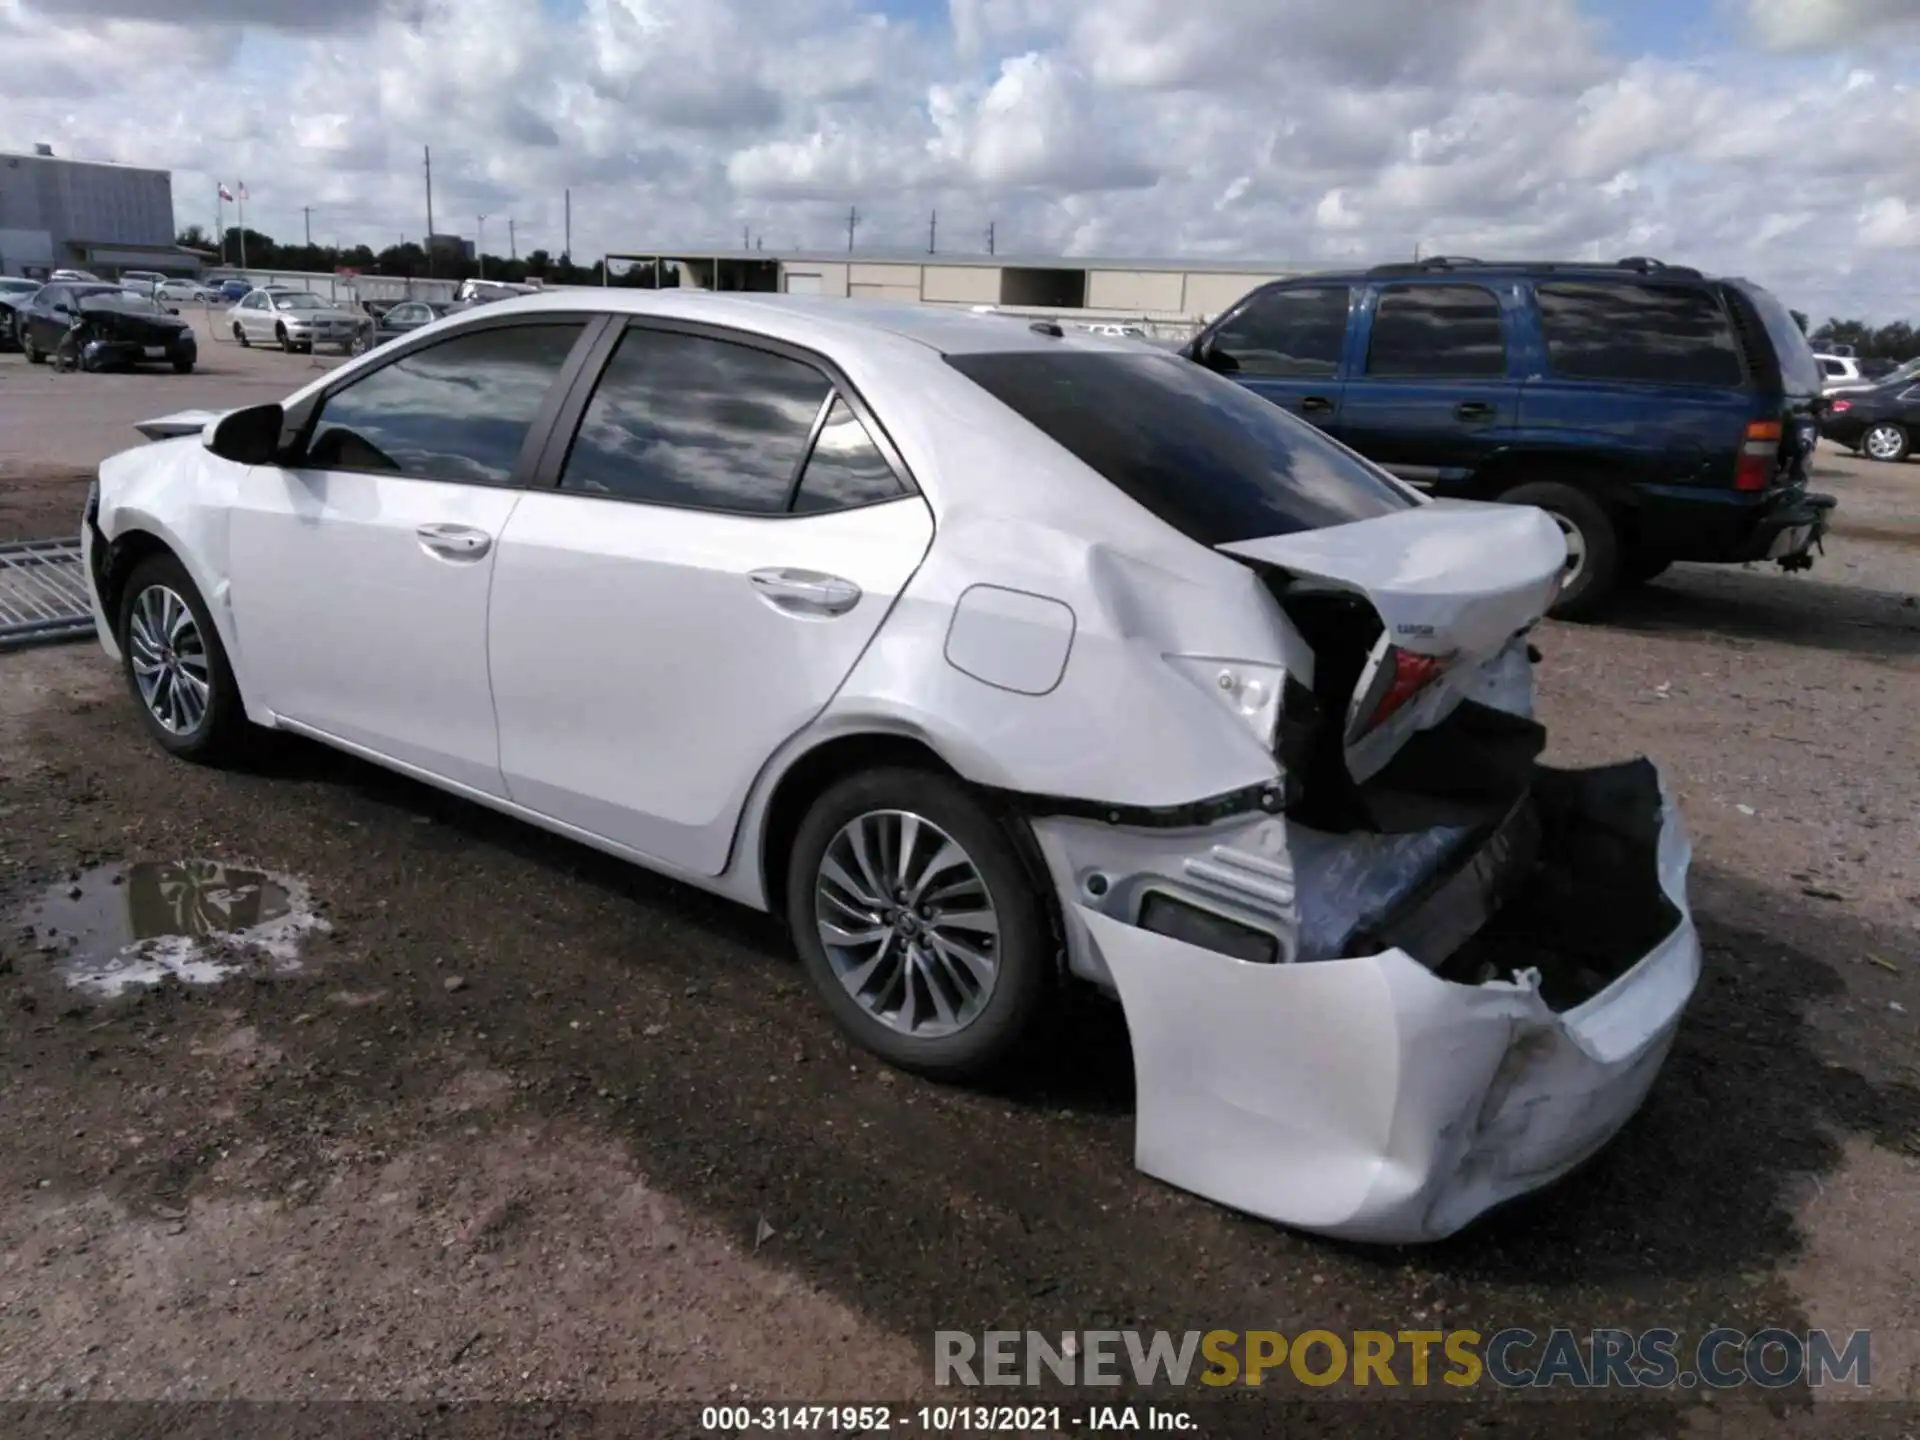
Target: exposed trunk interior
1592 905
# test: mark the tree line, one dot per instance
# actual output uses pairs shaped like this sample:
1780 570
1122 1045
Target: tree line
1898 342
407 259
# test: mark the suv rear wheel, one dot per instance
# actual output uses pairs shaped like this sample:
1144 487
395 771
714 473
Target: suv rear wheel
1593 546
1886 441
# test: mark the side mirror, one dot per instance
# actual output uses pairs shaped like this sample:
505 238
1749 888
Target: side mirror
247 437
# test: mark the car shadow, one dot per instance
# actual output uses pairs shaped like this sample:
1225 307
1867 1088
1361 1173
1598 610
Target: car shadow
927 1205
1758 605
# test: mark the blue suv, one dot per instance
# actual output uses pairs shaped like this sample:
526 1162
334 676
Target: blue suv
1655 413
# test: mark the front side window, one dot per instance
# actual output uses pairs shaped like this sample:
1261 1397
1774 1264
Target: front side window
1440 332
1286 332
1204 454
690 421
458 410
299 302
1656 334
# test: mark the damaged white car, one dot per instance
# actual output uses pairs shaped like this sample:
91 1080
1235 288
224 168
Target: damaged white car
994 659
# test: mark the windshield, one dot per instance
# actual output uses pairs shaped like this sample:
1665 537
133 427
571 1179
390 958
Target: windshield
1206 455
298 301
121 300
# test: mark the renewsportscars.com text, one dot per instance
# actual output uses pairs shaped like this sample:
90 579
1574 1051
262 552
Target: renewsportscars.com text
1510 1358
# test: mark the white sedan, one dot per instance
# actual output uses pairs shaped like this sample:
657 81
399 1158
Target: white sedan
295 320
992 658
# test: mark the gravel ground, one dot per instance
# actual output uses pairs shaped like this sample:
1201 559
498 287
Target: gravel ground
532 1124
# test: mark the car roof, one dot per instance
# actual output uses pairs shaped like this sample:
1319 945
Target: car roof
954 331
1440 267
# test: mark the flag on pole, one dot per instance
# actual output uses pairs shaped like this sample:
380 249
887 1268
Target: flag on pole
225 193
243 190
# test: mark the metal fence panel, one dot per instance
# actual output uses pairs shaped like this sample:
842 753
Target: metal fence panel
43 593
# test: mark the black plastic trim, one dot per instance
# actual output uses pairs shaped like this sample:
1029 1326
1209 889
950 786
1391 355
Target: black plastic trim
1266 797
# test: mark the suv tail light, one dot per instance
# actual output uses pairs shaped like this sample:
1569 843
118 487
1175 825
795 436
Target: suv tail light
1402 676
1839 407
1759 456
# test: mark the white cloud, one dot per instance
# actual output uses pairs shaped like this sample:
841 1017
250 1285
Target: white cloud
1295 131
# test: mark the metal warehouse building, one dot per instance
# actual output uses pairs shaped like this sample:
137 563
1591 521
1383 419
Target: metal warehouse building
86 215
1163 289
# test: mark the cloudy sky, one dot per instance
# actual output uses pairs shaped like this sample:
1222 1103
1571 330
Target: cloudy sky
1775 138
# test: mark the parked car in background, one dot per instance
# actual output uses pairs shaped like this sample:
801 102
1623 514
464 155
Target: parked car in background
188 291
408 316
141 282
82 277
231 290
294 320
1909 371
485 292
112 327
1655 413
1381 969
1879 422
14 295
1837 369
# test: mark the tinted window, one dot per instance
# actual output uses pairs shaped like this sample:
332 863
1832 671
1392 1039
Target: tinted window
1437 332
845 468
1206 455
1661 334
1832 367
458 410
1287 332
684 420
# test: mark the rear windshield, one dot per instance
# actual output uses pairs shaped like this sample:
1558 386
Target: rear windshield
1204 454
1799 371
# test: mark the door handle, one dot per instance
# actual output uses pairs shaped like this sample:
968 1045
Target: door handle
1315 404
1473 410
805 592
454 542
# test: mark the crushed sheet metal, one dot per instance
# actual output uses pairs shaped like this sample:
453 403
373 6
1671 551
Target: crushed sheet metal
1369 1099
43 593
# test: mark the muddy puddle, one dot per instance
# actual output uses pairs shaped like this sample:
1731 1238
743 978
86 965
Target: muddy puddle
115 927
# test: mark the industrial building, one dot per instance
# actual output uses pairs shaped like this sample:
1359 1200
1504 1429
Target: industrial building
1149 289
86 215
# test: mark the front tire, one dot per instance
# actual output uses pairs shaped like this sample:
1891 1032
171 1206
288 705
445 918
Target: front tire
176 666
1593 546
919 923
1887 442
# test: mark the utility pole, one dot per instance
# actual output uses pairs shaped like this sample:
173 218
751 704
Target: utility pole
853 223
566 251
933 228
513 245
480 247
306 217
744 242
427 150
990 237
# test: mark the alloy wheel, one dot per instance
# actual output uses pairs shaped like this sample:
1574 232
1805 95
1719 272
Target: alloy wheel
169 659
908 924
1576 549
1884 442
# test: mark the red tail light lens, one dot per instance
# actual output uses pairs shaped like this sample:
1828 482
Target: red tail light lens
1759 456
1839 407
1410 674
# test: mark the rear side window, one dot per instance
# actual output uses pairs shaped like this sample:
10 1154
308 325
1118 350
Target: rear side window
1204 454
1439 332
846 468
690 421
1286 332
1655 334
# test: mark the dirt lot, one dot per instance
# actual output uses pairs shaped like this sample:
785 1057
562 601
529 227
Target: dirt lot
529 1123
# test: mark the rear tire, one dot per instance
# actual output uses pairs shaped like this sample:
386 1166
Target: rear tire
176 667
31 351
1887 442
286 340
990 952
183 367
1593 546
240 335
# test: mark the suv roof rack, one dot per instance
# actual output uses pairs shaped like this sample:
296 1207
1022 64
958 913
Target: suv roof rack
1638 264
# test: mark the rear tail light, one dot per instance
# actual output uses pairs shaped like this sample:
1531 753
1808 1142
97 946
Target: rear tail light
1401 677
1759 456
1839 407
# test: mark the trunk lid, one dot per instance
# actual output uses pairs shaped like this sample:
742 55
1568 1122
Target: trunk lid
1455 583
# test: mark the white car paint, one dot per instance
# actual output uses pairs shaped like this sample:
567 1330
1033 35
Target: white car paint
613 672
1838 370
263 315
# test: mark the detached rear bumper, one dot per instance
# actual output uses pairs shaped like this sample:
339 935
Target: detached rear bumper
1724 525
1370 1098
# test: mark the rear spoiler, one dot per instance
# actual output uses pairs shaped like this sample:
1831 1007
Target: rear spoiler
181 422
